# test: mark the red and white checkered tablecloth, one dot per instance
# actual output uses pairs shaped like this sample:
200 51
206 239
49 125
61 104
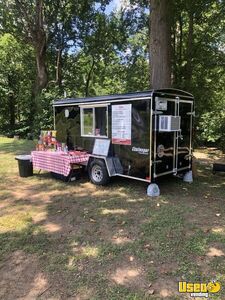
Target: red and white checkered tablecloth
57 162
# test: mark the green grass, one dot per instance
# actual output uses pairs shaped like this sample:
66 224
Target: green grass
86 238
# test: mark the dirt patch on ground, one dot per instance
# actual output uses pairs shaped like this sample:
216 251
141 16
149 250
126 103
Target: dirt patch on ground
21 277
128 273
166 288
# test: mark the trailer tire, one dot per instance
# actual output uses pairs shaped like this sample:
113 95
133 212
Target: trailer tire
98 173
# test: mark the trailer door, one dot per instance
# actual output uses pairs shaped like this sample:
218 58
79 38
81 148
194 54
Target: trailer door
164 141
184 137
171 136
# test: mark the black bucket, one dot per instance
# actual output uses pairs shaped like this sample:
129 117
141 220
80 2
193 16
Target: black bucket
217 167
25 165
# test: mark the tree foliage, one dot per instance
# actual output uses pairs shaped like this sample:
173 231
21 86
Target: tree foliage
49 49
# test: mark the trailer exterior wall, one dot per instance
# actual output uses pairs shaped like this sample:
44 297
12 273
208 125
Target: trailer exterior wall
145 139
134 158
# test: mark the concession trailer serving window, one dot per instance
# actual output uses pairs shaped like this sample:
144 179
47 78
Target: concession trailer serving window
94 121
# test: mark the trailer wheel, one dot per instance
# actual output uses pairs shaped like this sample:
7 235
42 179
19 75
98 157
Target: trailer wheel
98 173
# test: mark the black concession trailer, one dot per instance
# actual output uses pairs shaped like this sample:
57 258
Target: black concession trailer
142 135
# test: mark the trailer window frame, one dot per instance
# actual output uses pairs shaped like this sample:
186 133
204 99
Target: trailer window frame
93 107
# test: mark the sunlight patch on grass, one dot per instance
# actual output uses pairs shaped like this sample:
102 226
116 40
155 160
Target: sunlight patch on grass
71 263
89 251
219 230
81 252
9 148
130 200
215 252
115 211
201 155
120 240
17 221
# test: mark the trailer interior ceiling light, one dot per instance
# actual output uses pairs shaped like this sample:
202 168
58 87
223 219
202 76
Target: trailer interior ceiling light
67 113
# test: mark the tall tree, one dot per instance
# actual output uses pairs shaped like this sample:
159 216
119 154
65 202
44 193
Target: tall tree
15 76
26 21
160 43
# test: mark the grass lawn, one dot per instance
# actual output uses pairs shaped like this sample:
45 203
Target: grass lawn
79 241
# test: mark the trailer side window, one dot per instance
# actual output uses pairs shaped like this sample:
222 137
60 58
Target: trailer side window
101 121
94 121
87 121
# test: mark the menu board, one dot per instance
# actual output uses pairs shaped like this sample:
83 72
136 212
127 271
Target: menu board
101 147
121 124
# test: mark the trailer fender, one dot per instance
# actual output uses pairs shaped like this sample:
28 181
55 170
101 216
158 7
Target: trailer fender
97 158
112 164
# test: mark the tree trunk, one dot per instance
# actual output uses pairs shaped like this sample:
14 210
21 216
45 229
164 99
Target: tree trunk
40 46
89 78
189 53
39 41
11 103
174 69
180 56
180 41
33 105
160 43
59 69
37 37
42 75
12 115
40 82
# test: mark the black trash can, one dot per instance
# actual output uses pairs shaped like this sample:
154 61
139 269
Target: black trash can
218 167
25 165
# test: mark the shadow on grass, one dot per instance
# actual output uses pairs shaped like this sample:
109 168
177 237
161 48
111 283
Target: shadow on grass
16 147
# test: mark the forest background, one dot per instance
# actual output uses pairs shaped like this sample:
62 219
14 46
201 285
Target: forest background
70 48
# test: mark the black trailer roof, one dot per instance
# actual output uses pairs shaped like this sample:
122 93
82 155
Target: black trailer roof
111 98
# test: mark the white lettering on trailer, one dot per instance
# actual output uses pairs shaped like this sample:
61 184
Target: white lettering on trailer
142 151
